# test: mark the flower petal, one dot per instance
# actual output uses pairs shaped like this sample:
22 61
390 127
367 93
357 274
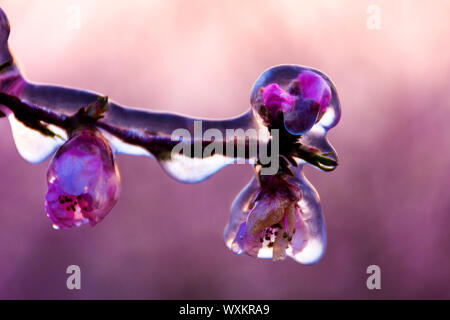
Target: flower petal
239 212
267 212
314 225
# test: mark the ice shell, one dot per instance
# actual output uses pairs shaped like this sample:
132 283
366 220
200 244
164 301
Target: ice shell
83 181
308 242
32 145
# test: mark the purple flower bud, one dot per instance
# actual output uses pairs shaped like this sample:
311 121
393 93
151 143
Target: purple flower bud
83 181
315 87
276 99
301 94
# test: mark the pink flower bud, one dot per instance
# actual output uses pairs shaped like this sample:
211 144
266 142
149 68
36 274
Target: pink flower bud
276 99
301 94
83 181
315 87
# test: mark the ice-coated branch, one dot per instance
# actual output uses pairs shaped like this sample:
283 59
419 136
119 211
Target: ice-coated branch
277 214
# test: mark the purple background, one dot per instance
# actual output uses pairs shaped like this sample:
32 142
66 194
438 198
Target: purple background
386 204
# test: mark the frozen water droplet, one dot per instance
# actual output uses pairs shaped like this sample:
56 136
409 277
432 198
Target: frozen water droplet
310 254
311 212
239 210
83 181
119 146
264 223
192 170
33 146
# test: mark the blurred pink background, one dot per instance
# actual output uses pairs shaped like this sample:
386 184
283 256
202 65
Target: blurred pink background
386 204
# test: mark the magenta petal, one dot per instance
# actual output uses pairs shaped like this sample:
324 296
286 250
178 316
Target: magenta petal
245 242
239 213
276 99
83 181
314 87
